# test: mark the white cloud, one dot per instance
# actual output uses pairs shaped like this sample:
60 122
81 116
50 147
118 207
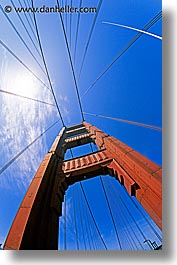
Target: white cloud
21 122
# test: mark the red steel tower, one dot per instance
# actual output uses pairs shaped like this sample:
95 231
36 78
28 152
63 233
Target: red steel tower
37 221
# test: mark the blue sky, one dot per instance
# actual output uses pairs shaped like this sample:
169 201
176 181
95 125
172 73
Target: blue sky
131 90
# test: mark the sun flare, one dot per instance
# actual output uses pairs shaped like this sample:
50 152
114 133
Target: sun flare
25 85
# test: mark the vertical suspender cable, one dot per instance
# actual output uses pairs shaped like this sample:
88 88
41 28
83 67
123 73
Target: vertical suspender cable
93 216
126 219
70 32
27 20
65 241
87 227
90 36
80 214
77 32
29 35
139 229
75 223
143 215
112 217
45 65
71 63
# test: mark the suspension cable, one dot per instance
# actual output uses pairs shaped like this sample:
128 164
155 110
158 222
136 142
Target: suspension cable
70 32
90 36
30 16
21 38
87 227
127 121
109 207
131 215
65 242
77 31
28 3
71 63
27 20
112 217
66 19
92 216
81 221
152 22
90 230
75 223
74 208
45 65
22 63
125 217
143 215
23 150
21 96
21 20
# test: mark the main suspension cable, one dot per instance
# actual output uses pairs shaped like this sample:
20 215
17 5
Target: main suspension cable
152 22
153 127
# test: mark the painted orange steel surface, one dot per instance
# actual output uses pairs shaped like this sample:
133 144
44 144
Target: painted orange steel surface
36 223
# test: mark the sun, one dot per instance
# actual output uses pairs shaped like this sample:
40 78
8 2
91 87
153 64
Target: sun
25 85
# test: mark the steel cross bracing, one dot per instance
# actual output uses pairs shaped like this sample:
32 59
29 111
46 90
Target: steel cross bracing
36 223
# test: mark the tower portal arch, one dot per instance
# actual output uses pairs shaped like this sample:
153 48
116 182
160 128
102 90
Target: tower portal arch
36 223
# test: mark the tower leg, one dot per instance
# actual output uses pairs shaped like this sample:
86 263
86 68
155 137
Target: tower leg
36 223
140 176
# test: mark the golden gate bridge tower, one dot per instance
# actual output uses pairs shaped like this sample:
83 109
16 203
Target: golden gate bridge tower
37 221
36 224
